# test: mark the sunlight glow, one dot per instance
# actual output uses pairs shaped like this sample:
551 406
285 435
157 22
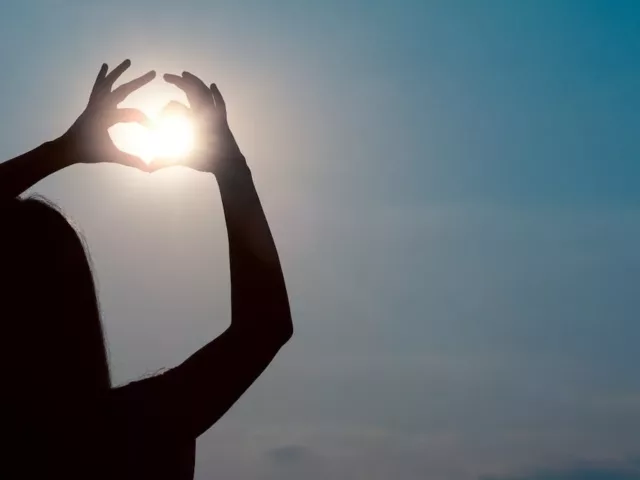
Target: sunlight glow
170 137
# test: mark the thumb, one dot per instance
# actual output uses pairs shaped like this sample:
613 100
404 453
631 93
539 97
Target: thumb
160 163
177 108
129 115
129 160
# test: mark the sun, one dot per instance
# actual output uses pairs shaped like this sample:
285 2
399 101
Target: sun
171 136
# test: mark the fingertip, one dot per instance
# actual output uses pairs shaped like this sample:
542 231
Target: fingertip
103 71
154 166
190 76
140 164
175 107
145 121
220 103
124 65
161 163
216 90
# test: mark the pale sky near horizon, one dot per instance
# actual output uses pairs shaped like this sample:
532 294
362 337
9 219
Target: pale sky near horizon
453 188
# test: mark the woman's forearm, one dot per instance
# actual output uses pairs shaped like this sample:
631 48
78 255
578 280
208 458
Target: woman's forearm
86 141
21 173
259 300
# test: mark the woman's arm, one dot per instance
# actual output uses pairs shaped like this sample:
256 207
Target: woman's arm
87 141
21 173
259 301
185 401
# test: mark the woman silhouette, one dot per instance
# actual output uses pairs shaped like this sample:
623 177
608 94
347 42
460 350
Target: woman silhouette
62 416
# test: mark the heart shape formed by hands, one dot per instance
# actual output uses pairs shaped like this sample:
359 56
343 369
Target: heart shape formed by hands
99 134
170 136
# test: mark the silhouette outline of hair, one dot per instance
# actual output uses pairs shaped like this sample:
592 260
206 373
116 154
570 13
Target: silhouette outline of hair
50 304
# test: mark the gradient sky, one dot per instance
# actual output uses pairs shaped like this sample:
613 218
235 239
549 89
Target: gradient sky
453 187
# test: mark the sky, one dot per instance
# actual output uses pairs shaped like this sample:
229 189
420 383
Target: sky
453 188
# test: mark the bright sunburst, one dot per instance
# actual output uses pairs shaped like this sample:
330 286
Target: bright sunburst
171 137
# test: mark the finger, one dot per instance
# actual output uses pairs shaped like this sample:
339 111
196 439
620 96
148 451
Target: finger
176 107
102 73
126 89
129 160
160 163
99 79
130 115
217 96
182 84
196 81
116 73
194 92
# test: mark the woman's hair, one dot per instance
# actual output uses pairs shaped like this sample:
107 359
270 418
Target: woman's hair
49 310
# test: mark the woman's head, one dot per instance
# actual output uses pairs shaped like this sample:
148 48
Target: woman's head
49 309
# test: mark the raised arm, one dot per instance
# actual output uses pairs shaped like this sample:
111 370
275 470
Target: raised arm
188 399
87 141
21 173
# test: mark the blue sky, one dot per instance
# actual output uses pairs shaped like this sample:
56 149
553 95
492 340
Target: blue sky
453 188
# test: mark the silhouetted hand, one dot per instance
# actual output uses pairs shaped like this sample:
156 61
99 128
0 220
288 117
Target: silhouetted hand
88 141
215 149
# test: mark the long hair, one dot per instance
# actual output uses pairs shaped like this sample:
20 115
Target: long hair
48 305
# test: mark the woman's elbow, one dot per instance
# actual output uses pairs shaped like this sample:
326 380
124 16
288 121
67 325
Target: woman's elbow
275 334
283 333
287 333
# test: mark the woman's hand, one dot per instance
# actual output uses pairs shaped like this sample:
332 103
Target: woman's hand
215 149
88 141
